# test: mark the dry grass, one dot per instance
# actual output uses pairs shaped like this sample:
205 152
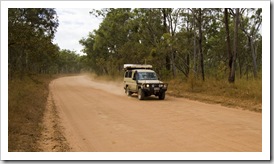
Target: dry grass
243 94
27 99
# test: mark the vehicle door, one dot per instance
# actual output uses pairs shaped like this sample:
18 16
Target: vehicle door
132 81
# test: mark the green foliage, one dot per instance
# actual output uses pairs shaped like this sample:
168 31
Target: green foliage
69 62
165 38
30 34
168 39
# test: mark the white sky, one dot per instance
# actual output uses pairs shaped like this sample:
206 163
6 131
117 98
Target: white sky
74 24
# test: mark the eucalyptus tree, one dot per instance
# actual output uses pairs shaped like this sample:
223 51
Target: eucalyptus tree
205 41
251 27
90 60
30 34
69 62
232 55
106 45
126 36
150 30
172 20
200 22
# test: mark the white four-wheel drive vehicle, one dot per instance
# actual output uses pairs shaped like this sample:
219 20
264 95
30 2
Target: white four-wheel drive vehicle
141 79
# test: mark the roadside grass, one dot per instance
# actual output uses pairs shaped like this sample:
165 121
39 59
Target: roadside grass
245 94
27 98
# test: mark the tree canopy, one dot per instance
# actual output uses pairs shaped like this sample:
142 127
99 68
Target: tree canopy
177 42
30 34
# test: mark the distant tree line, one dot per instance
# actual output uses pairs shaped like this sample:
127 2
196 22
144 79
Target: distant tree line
178 42
30 47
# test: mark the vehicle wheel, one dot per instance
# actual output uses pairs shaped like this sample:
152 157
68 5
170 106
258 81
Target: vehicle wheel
141 94
162 96
128 92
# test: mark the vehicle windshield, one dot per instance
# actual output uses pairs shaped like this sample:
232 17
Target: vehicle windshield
147 76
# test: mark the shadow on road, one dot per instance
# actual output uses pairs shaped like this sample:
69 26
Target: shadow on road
150 98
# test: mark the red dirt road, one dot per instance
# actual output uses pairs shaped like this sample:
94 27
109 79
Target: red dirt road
99 117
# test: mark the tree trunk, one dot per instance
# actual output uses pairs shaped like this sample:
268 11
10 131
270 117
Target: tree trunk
200 44
172 62
240 67
188 63
194 51
188 54
253 53
165 30
250 35
233 67
228 45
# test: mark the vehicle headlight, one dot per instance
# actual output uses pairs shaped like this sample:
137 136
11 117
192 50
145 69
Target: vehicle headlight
147 85
161 85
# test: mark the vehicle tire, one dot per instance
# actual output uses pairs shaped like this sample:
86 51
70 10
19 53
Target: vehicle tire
162 96
141 94
128 92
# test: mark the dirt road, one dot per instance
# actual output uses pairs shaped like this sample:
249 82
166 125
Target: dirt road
98 116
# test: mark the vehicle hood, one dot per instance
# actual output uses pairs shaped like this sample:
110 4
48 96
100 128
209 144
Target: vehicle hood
149 81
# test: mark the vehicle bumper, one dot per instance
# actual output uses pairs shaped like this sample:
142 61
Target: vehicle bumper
151 90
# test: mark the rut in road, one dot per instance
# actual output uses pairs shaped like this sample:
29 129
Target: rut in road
99 117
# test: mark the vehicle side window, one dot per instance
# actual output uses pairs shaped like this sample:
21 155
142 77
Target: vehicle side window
126 74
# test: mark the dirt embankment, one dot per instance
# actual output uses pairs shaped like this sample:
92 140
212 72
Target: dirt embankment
52 138
96 116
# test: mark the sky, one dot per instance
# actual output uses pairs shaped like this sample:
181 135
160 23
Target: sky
74 24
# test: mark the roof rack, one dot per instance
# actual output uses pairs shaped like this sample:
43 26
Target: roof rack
137 66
